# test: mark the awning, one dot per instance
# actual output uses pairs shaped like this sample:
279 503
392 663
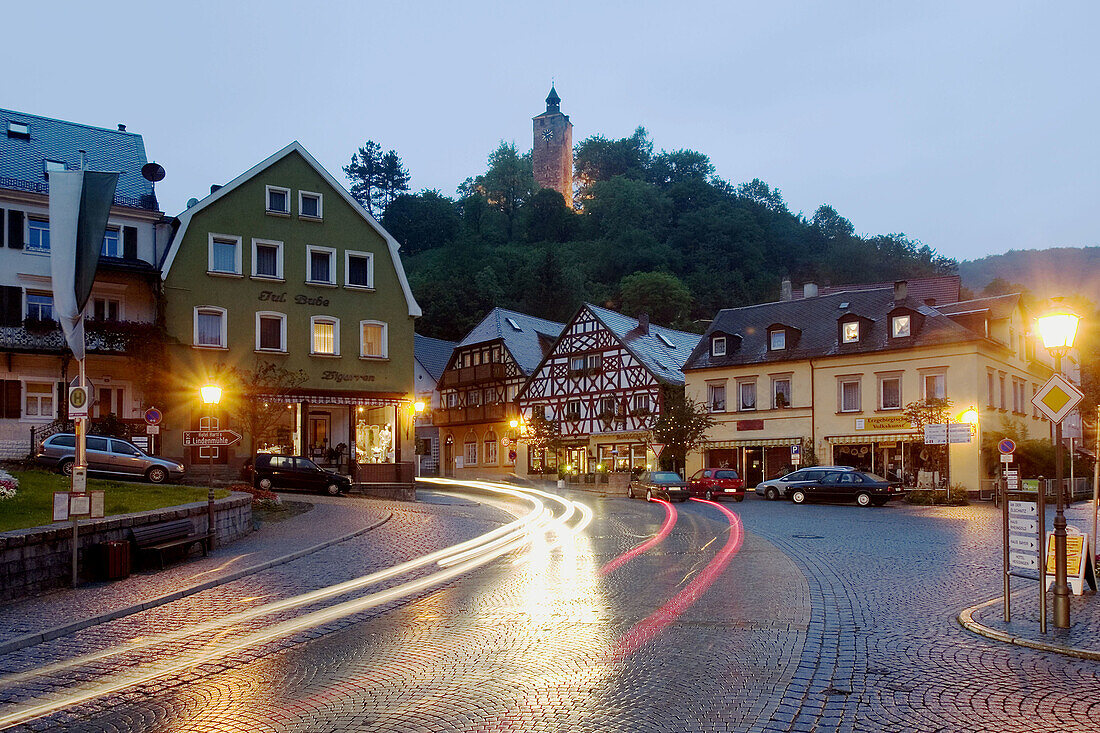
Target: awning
758 443
334 400
875 438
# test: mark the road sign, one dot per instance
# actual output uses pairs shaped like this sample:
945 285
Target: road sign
78 403
959 432
153 416
796 454
1006 458
204 438
1057 398
935 434
657 448
1007 445
152 429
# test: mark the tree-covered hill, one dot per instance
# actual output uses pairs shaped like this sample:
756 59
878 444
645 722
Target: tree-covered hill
655 232
1060 271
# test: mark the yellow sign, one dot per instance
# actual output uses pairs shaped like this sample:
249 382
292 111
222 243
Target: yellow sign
893 422
1079 567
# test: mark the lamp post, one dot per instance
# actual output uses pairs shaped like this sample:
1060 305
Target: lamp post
418 410
211 396
1058 328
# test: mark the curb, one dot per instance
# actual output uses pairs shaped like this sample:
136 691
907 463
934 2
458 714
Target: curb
966 620
21 642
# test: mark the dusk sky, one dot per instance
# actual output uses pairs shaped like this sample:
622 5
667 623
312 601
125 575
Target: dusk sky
969 126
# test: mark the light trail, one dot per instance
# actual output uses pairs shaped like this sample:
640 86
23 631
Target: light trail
662 533
647 629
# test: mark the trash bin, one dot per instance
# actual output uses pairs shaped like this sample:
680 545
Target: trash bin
113 560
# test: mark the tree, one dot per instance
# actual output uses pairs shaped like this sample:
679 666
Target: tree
548 217
761 194
393 178
931 411
663 296
831 224
422 221
682 424
600 159
679 166
543 435
548 290
251 397
508 183
365 171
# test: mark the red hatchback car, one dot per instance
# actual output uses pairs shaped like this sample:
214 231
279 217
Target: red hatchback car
717 483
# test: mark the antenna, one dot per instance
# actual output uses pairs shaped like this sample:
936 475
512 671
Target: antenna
152 172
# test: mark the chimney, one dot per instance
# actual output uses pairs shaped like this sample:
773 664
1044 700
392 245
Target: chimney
83 159
121 127
214 187
785 289
643 323
930 302
809 290
901 290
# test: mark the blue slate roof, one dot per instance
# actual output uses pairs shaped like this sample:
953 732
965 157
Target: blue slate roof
433 354
663 361
22 160
522 340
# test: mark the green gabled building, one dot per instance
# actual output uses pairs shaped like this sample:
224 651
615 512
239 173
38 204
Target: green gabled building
282 270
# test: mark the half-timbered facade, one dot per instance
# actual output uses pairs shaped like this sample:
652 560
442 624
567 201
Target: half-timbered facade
602 385
478 392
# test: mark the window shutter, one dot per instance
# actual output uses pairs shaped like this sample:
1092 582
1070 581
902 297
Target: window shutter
13 398
62 401
129 243
11 305
15 229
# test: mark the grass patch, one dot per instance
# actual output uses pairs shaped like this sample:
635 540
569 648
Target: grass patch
33 505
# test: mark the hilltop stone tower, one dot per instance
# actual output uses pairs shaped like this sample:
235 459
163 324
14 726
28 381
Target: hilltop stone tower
553 148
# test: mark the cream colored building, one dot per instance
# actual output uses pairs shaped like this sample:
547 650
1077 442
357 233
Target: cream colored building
836 372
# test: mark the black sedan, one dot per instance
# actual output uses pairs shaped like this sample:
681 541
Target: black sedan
272 471
665 485
865 488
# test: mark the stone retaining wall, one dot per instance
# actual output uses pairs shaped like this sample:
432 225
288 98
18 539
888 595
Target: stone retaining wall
396 492
40 558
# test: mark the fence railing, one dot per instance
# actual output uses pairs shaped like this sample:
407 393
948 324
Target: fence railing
146 201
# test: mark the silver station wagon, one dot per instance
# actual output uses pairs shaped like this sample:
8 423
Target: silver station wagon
108 456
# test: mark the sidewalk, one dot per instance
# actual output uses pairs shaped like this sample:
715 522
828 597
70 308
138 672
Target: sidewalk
1081 639
61 612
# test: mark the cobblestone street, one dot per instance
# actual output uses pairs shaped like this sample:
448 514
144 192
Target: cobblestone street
825 618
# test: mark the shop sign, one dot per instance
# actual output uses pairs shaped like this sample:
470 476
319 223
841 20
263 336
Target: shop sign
750 424
270 296
1079 566
331 375
892 422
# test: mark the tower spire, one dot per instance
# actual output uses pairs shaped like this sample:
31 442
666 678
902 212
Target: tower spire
553 101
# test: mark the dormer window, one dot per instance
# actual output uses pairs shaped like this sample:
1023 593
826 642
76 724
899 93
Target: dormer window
718 346
777 340
849 332
901 326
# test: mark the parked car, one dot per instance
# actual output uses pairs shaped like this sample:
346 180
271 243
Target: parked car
109 456
780 487
665 485
276 471
865 488
717 483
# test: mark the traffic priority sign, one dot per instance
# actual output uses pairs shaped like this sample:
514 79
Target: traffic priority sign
657 448
1057 398
204 438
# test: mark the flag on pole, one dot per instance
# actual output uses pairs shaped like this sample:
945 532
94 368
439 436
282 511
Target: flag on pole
80 202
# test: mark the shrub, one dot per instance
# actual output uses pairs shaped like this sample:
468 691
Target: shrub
8 485
956 495
261 498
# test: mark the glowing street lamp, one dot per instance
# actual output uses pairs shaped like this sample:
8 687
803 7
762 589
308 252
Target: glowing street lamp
1058 329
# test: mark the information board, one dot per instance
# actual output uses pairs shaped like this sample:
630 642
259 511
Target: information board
1023 535
1079 566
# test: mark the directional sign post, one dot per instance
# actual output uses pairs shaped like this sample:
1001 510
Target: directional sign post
210 438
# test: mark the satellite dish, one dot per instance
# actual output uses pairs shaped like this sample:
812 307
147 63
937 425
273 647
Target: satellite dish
191 202
152 172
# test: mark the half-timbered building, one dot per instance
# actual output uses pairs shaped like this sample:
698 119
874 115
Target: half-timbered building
478 392
602 385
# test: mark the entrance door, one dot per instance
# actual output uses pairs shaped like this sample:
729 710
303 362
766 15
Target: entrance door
449 458
754 466
318 436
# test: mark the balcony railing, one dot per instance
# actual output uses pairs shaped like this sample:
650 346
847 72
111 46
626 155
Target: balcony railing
463 415
146 201
100 336
472 375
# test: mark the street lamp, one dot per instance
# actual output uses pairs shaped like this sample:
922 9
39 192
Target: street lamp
1058 328
211 396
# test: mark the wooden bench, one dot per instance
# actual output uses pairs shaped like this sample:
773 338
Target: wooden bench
166 535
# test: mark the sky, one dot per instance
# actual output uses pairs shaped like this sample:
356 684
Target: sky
971 126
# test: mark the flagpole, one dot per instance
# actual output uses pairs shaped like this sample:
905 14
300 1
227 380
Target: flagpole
80 465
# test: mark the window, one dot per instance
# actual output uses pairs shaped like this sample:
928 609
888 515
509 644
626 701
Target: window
781 392
900 326
934 387
309 205
641 404
490 453
573 410
718 346
989 387
38 400
890 393
1034 409
716 397
54 165
473 398
278 200
321 265
470 455
452 399
112 242
849 395
850 332
512 322
746 395
38 235
576 363
1001 380
19 129
777 340
270 331
358 269
225 254
372 340
210 327
665 340
39 306
267 259
326 335
607 406
106 309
